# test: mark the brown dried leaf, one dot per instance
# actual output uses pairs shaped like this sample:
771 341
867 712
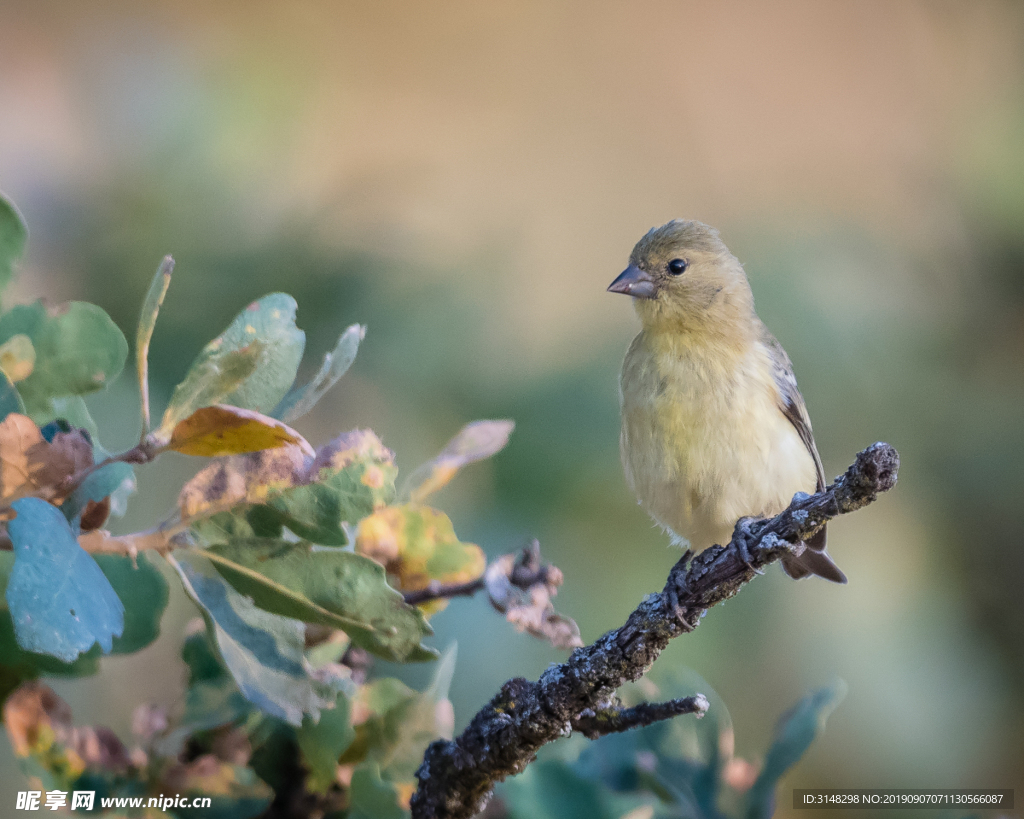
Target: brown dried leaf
100 748
530 609
35 717
31 466
75 447
39 722
95 514
474 442
243 479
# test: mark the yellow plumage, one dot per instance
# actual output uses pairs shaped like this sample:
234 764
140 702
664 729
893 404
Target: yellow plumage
713 426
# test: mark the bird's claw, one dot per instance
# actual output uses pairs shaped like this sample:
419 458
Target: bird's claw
742 536
677 610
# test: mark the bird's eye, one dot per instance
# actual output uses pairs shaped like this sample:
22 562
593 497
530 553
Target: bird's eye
677 266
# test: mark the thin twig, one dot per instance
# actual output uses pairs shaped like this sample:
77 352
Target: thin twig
457 776
596 722
439 591
139 454
527 571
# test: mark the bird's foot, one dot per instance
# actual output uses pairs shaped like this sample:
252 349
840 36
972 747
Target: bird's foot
677 610
743 536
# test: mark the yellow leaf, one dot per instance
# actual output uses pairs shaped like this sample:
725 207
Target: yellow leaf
418 545
17 357
314 496
474 442
347 449
225 430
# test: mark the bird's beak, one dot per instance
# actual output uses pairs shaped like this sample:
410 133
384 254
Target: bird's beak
636 283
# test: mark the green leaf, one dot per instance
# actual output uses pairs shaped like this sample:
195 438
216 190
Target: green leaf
78 349
551 789
144 334
384 694
60 601
10 400
208 705
326 586
323 742
18 665
272 321
227 526
10 651
301 400
200 655
413 723
13 235
797 729
315 498
250 365
350 477
263 651
143 591
70 408
115 479
371 797
214 374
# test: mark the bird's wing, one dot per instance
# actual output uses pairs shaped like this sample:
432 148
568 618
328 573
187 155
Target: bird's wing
791 402
815 559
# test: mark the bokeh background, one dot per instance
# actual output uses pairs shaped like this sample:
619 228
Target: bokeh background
466 178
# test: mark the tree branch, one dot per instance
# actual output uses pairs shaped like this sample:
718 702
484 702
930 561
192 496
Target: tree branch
457 776
611 719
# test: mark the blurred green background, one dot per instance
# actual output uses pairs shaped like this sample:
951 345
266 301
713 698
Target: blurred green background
466 179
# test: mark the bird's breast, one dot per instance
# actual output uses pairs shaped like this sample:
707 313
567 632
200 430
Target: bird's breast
704 441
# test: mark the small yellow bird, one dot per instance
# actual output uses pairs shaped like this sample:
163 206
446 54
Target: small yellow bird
714 428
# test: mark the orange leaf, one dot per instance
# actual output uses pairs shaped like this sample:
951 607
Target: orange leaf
31 466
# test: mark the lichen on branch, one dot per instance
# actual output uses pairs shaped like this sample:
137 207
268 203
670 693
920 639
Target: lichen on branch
457 776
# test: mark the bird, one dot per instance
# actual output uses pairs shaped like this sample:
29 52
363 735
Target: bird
714 428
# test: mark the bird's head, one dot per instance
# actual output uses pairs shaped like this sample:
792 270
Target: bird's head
682 276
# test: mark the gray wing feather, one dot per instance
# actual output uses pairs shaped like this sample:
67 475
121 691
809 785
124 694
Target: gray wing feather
791 401
815 560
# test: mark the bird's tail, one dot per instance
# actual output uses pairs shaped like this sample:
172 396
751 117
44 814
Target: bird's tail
814 560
